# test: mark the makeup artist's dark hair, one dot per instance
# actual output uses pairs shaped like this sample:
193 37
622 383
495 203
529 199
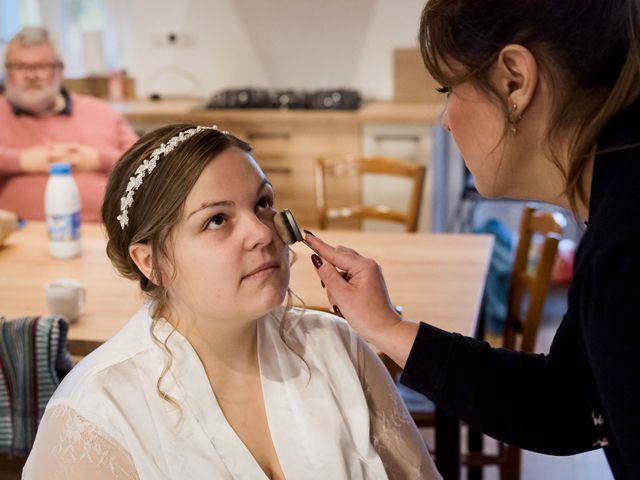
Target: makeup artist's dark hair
587 48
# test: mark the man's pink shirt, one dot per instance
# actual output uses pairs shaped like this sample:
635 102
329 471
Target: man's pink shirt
92 122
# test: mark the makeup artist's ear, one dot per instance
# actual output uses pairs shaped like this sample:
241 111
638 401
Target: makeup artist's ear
141 255
516 76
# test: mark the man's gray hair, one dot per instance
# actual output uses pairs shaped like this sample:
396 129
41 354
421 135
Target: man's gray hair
29 36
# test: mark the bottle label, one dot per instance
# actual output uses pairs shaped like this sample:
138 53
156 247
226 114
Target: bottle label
64 227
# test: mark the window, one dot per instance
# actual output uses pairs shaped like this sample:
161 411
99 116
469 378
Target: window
9 19
82 30
16 13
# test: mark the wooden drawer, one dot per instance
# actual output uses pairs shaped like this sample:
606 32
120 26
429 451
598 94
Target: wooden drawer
287 154
294 183
307 143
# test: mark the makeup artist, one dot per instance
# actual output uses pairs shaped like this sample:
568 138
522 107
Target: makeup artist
542 100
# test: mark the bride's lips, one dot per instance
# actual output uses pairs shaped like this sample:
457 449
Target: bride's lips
265 269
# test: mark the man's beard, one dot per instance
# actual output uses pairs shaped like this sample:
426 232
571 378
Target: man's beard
35 99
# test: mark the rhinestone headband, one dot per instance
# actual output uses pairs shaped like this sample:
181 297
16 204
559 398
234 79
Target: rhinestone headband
147 166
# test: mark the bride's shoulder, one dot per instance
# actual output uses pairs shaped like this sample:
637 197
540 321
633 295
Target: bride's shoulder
108 364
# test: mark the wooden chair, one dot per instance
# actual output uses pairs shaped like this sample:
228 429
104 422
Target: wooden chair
521 322
329 169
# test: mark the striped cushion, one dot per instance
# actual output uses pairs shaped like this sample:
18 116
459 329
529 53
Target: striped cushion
33 360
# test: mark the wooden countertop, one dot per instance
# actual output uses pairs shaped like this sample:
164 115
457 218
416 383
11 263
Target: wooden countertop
401 112
179 106
191 111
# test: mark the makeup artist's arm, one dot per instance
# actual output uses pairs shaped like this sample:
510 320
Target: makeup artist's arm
364 300
529 400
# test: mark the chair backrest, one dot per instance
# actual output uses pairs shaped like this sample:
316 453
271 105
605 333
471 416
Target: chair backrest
357 166
522 323
33 360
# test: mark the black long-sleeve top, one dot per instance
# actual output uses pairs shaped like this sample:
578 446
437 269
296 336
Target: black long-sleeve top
585 393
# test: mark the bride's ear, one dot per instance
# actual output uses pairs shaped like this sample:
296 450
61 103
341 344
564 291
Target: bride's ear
141 255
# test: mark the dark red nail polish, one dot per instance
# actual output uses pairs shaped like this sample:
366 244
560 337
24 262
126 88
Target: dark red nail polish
337 311
317 261
322 283
309 233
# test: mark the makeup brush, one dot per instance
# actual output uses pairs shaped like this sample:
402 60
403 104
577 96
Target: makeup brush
287 228
289 232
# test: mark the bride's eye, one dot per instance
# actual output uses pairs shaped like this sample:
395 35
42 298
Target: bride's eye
216 222
265 201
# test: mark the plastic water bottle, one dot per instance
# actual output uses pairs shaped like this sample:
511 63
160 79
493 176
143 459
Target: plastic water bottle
62 209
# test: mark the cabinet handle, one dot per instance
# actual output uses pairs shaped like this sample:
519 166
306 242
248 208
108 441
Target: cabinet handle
268 135
391 137
277 170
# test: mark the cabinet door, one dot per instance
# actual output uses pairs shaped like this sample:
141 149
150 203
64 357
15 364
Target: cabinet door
408 142
287 154
293 183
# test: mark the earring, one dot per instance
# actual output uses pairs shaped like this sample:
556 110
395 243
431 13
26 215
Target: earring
514 118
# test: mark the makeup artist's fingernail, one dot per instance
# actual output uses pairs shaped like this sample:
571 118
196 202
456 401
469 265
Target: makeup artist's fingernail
317 261
337 311
322 283
309 233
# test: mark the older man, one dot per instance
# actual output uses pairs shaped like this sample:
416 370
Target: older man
41 123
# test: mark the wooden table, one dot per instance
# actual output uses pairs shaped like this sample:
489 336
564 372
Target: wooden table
435 278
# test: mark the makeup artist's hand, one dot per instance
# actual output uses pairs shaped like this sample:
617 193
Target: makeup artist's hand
362 298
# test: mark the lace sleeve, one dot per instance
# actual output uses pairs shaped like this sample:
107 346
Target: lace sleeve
393 432
69 447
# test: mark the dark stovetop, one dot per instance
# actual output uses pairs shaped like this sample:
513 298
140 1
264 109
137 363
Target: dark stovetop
336 99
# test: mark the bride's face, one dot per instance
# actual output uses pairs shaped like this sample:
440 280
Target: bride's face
228 261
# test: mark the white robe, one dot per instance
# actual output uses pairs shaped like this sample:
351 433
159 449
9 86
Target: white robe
343 421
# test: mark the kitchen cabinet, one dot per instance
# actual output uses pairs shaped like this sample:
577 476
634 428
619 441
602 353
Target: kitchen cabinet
287 153
287 142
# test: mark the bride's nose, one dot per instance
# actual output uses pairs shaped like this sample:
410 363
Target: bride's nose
259 231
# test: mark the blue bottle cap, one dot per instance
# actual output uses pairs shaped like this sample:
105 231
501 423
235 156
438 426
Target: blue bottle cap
60 168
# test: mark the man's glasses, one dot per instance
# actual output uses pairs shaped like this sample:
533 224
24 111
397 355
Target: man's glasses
40 68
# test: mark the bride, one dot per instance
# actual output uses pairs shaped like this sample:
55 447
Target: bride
213 377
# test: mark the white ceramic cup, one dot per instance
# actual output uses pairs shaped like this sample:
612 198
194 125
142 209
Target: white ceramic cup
65 297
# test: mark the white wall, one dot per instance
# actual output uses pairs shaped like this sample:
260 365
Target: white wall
263 43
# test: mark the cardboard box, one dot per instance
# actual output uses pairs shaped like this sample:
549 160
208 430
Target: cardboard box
411 80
